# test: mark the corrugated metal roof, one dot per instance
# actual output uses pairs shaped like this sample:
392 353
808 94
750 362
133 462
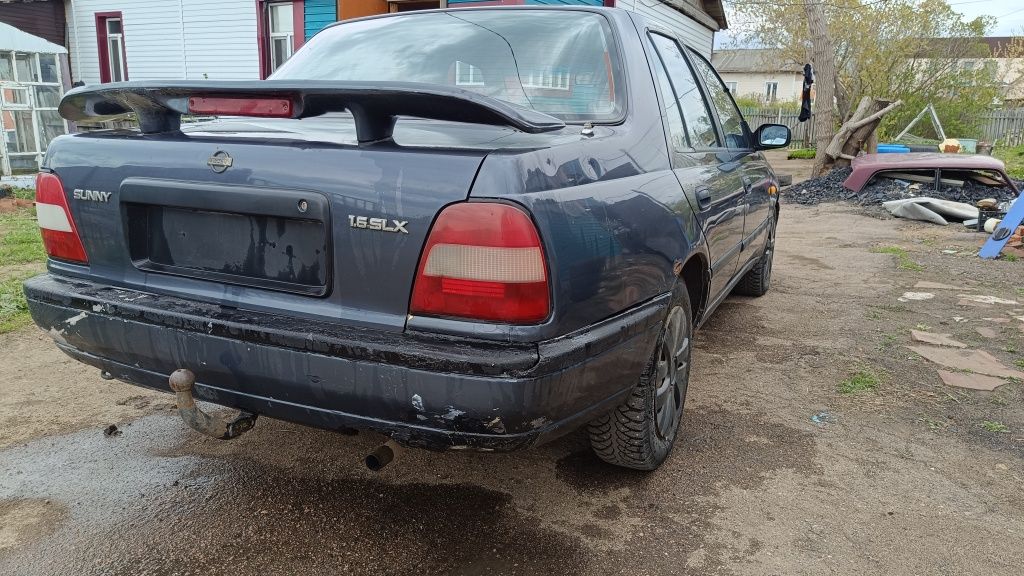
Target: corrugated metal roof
752 60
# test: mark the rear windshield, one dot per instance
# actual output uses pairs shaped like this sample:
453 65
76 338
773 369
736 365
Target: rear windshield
562 63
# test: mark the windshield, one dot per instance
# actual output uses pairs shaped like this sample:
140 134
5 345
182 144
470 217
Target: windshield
561 63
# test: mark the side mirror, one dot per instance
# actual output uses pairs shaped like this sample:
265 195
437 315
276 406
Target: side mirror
770 136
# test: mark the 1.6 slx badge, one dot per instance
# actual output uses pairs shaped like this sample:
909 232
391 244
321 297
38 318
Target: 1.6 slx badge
381 224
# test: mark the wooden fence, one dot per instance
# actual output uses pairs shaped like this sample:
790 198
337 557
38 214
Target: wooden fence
803 132
1003 127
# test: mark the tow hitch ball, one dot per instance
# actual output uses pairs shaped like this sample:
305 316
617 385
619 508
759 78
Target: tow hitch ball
182 381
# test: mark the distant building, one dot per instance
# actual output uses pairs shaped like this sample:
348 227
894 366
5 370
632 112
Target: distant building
759 73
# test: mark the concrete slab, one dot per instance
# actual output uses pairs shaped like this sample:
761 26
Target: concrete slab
971 381
986 331
937 339
977 361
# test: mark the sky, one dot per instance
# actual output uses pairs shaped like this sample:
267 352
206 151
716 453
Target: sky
1010 14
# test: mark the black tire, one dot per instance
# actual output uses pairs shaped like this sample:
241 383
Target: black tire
758 280
640 433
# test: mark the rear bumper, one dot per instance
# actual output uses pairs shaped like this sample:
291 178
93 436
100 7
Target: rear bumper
424 390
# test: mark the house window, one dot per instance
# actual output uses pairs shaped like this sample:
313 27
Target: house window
546 79
110 38
732 87
282 34
30 93
771 91
467 74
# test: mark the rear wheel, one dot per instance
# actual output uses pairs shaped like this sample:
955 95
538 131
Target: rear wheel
758 279
641 431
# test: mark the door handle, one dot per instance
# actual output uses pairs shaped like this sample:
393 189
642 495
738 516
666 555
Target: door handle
703 195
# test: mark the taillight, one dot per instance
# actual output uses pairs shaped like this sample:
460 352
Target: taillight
60 236
483 261
259 107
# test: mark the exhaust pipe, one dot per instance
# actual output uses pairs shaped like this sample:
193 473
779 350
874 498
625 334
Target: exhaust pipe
182 381
383 455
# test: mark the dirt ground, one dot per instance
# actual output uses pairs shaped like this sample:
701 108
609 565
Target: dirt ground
778 472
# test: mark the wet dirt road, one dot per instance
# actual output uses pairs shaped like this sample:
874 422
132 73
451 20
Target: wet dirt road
900 480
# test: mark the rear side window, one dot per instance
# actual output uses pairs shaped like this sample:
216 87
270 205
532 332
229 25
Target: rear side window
699 126
676 129
728 114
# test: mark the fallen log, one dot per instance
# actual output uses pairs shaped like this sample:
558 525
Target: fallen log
854 135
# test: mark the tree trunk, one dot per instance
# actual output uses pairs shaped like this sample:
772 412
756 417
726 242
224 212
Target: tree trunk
854 135
823 57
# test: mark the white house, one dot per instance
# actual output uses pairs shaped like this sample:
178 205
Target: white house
759 73
113 40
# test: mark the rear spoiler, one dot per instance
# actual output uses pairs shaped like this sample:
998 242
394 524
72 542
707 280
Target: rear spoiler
375 106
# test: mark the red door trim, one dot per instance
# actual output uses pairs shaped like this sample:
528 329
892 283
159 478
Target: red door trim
263 30
101 44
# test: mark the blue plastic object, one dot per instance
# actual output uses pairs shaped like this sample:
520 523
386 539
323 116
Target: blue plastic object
892 149
994 245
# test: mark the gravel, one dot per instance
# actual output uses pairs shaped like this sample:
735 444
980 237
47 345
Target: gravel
829 188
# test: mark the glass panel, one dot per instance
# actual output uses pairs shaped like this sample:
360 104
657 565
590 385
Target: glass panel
47 96
50 68
26 67
560 63
113 25
699 125
6 66
15 96
676 130
23 164
18 131
281 50
114 53
51 125
281 18
728 114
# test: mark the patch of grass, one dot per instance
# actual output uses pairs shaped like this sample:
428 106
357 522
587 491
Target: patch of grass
873 315
1010 257
20 242
13 308
802 154
902 258
24 193
1020 291
923 327
994 426
1010 349
861 381
1019 363
1014 159
888 341
933 424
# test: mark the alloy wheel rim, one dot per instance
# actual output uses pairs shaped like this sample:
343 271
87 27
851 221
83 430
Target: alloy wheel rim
672 364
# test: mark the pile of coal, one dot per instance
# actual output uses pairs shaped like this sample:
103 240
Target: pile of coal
829 188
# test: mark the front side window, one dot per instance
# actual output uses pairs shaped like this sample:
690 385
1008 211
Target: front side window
728 114
561 63
699 125
282 34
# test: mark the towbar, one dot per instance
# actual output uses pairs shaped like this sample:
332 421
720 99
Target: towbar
181 382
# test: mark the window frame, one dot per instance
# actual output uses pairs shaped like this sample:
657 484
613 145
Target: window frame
103 46
771 90
264 38
31 105
748 135
712 113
